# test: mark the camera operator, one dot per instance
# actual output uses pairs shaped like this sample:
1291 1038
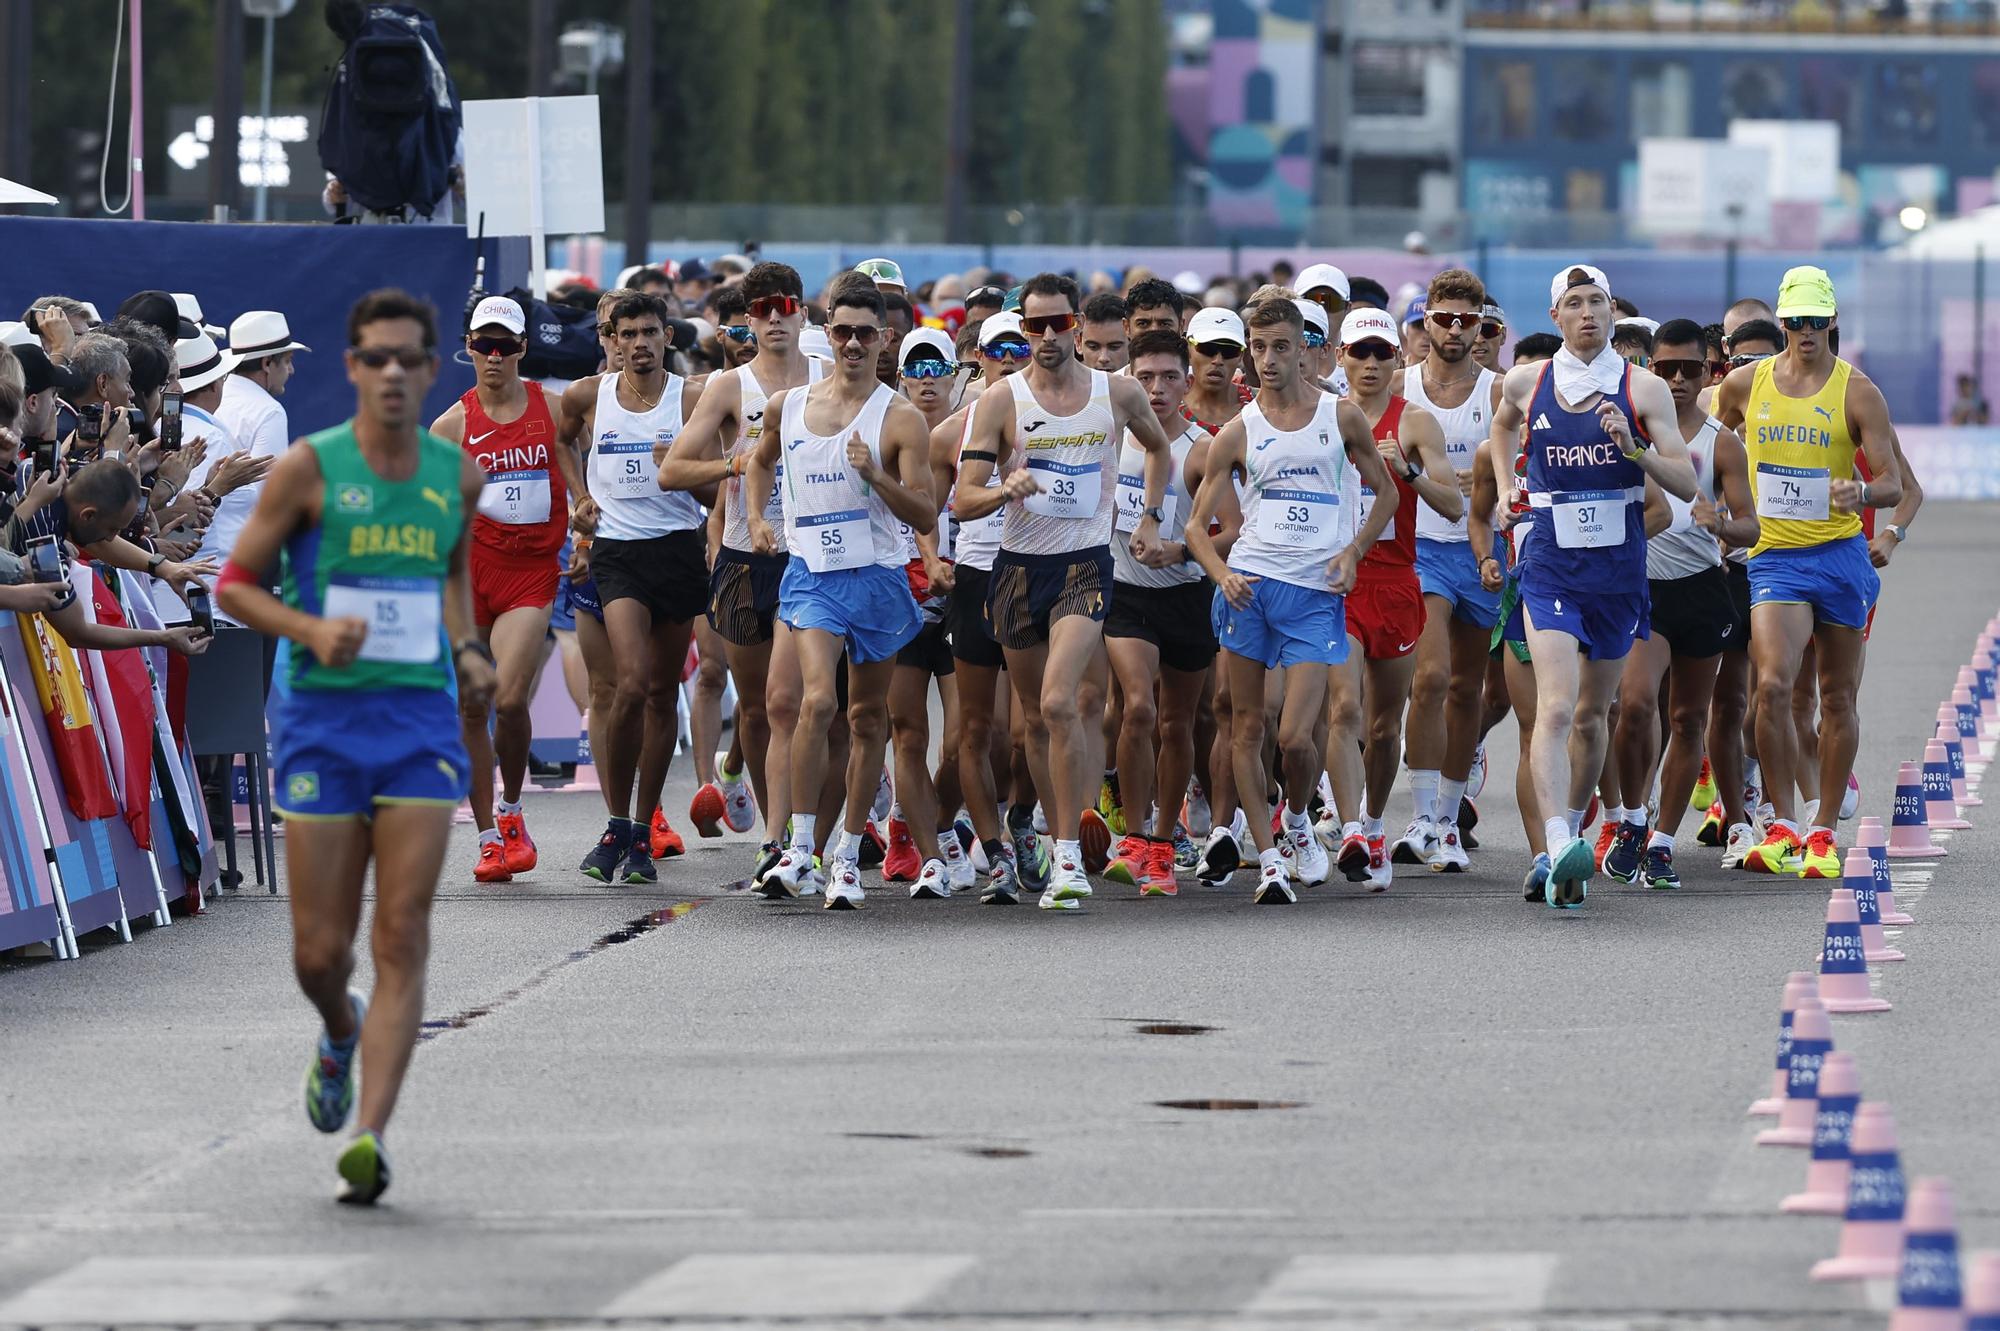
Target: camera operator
58 321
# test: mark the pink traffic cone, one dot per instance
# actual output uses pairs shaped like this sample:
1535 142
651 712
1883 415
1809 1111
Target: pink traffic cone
1812 1041
1871 838
1858 876
1910 829
1833 1126
1799 985
1928 1296
1968 723
1871 1240
1954 754
1982 1292
1938 808
1843 966
1968 679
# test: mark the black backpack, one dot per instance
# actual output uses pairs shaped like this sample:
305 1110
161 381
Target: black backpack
390 126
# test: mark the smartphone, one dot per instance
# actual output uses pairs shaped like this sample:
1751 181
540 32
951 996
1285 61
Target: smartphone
199 608
45 457
170 422
45 562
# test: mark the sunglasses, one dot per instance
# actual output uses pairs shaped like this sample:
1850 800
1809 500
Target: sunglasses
1681 369
861 333
1327 299
1372 349
737 332
986 296
1491 330
1036 325
375 358
928 368
1448 319
1748 358
494 346
1795 323
1718 368
1315 339
1007 351
774 307
1218 350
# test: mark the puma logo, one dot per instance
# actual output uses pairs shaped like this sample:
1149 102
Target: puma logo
439 498
1824 412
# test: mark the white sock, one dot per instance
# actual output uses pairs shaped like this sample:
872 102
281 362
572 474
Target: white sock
1614 814
1450 792
1424 790
802 831
1267 858
1295 819
502 806
1636 817
1070 850
1349 829
896 810
1575 818
1660 839
1371 827
1557 832
848 847
491 837
1787 824
1817 828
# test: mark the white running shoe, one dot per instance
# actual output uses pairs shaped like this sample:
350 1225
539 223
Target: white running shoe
1381 873
1450 856
1309 861
958 866
1199 817
1068 886
739 802
843 886
933 883
1417 845
1325 788
1850 799
1812 814
1475 780
1327 828
1274 887
1743 839
1041 820
793 872
885 797
1286 851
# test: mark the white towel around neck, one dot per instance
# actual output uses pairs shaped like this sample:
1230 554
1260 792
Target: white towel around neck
1577 379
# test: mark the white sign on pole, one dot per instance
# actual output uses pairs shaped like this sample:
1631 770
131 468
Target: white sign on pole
1704 187
1805 156
512 142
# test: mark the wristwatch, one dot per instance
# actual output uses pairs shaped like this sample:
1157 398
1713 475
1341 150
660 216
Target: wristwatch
1899 531
153 564
1156 514
1411 471
473 645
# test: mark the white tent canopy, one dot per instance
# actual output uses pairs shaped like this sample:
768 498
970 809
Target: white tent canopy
1957 238
14 192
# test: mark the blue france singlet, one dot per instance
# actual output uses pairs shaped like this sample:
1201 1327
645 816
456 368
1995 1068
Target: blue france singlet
1587 502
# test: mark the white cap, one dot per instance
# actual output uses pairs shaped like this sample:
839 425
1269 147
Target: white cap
200 362
14 333
999 325
189 306
1314 316
261 333
813 341
935 339
1322 275
499 310
1561 281
1651 326
1188 282
1217 325
1362 324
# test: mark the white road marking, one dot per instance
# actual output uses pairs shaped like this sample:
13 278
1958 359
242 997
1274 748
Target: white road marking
1390 1283
177 1289
789 1285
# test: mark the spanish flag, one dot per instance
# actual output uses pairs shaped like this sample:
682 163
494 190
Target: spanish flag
59 684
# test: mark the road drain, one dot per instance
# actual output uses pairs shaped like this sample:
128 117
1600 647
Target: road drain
1230 1104
1172 1028
997 1152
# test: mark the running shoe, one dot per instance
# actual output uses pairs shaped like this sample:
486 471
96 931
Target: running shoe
520 847
1850 800
1607 836
885 799
873 849
1660 874
1417 844
1742 840
707 809
1220 858
609 852
963 831
330 1075
739 802
1003 887
1778 852
1040 820
639 868
1110 806
843 886
1128 866
1705 793
1475 777
768 856
1380 872
793 869
1309 861
1450 856
364 1171
1186 854
666 843
957 864
1627 854
1031 856
1159 880
1569 874
492 866
1354 861
1468 818
1274 887
1326 827
1711 831
1068 886
1094 835
933 882
901 864
1535 887
1821 858
1196 813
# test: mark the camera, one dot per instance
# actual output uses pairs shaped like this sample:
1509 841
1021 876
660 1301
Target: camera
45 561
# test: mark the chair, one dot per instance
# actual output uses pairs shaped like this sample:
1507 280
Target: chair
225 710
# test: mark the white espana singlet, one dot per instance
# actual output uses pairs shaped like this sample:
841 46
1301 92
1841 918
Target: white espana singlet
1131 506
1465 427
833 520
1683 549
1300 501
977 541
624 479
1073 457
749 427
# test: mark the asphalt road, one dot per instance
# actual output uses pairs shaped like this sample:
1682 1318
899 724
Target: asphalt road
1478 1113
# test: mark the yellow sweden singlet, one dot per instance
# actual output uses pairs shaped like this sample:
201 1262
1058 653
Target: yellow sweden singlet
1797 446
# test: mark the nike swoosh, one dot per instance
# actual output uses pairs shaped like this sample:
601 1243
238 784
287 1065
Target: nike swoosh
1404 647
474 441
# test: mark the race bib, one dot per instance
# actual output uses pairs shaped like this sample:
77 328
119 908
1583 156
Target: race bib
1298 519
516 498
623 469
1131 509
1589 519
1794 494
834 541
1069 489
1367 502
403 615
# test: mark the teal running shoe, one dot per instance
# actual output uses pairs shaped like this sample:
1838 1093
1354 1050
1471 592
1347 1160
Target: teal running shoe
330 1076
364 1171
1570 874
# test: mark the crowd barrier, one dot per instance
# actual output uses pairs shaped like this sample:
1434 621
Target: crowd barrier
101 820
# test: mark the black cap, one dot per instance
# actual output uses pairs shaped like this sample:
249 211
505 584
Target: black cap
42 373
159 309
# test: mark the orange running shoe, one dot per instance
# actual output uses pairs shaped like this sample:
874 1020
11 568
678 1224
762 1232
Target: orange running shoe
519 846
667 843
707 809
1606 835
1157 877
1777 853
1821 858
1129 865
901 863
492 866
1095 841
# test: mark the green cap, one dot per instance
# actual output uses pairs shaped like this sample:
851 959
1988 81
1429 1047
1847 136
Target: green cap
1805 290
1013 300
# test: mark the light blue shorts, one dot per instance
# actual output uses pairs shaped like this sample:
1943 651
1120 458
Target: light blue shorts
1835 579
870 607
1447 569
1285 625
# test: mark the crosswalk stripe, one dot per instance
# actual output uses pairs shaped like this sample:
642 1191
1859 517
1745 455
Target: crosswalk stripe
176 1289
1391 1283
789 1285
